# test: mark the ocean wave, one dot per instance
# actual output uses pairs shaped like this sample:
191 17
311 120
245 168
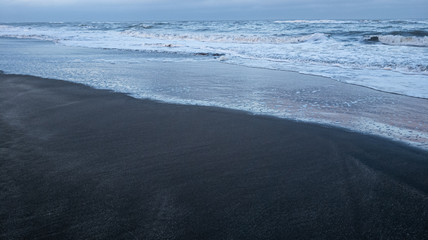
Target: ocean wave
4 27
399 40
416 33
31 36
407 21
314 21
228 38
361 47
141 26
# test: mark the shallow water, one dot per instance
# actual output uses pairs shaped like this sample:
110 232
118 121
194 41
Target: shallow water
204 81
388 55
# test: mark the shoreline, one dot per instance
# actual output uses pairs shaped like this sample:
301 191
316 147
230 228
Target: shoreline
282 94
322 122
88 163
238 65
331 78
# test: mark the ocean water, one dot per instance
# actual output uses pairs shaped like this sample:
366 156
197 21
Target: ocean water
388 55
229 64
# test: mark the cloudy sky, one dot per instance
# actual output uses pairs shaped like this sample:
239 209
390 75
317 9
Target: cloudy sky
124 10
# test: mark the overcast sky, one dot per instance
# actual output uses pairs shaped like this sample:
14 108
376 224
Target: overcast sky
140 10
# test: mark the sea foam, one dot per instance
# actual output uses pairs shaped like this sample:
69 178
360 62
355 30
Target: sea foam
401 40
363 52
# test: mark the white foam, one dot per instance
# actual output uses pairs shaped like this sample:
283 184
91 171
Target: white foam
310 49
403 40
229 38
313 21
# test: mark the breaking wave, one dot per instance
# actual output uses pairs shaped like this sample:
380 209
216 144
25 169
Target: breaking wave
228 38
399 40
363 51
314 21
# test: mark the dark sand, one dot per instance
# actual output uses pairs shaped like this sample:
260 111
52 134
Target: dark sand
80 163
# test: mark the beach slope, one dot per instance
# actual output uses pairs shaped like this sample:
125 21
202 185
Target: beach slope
81 163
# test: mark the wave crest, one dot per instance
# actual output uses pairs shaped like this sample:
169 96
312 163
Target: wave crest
399 40
313 21
229 38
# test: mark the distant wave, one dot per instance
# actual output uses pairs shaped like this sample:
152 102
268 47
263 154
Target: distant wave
356 49
416 33
31 36
313 21
229 38
327 21
141 26
147 25
399 40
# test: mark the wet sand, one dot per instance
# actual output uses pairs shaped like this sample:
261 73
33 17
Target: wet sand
80 163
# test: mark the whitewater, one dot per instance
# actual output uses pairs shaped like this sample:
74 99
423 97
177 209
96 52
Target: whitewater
387 55
369 76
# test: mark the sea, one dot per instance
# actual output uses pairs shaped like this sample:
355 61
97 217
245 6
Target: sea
389 56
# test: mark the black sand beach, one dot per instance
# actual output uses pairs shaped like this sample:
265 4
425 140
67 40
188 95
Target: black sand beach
80 163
